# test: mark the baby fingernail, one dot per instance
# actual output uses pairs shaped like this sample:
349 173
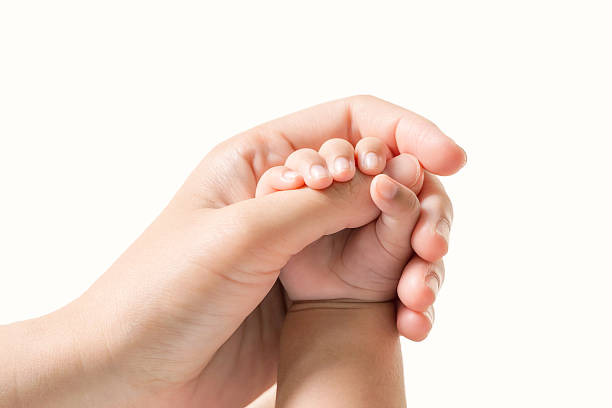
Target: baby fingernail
370 160
341 164
443 228
290 175
318 172
415 171
386 188
464 156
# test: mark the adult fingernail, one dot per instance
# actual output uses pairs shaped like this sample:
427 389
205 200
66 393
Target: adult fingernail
464 155
433 282
429 313
318 172
370 160
341 164
386 187
443 228
290 175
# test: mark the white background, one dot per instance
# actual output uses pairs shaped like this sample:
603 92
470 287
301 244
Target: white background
105 107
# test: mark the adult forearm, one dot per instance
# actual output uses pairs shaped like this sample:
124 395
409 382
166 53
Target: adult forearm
337 354
56 360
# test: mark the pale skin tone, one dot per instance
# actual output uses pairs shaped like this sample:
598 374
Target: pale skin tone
191 314
340 354
329 356
363 263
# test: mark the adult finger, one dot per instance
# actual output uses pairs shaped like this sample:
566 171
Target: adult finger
264 232
431 233
414 325
355 118
419 284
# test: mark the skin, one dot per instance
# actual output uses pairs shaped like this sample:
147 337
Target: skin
329 357
362 263
328 354
191 313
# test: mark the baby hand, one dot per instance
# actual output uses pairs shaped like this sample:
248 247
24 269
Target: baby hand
365 262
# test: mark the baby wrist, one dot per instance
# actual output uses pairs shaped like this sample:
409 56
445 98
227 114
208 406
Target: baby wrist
341 304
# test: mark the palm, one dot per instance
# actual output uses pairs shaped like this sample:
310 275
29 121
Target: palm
246 364
256 341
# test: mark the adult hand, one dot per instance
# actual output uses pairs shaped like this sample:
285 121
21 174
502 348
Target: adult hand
190 314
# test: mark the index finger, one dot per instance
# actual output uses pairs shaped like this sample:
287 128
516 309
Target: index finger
357 117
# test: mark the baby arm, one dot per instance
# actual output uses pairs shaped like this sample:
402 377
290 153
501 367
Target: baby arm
340 354
341 347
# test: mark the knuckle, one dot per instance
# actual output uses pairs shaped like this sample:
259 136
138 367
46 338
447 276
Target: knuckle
362 98
424 128
371 139
271 172
368 143
433 203
306 151
439 204
300 154
335 144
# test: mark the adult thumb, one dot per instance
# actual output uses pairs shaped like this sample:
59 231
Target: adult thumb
264 232
248 242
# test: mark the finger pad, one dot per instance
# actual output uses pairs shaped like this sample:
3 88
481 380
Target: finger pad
429 245
412 325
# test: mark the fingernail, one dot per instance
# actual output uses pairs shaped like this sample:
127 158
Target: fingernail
341 164
318 172
370 160
464 156
290 175
386 188
416 172
432 281
443 228
429 313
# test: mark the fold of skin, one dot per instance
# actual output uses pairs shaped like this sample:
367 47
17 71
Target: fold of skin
340 354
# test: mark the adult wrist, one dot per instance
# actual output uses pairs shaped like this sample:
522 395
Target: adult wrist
57 361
